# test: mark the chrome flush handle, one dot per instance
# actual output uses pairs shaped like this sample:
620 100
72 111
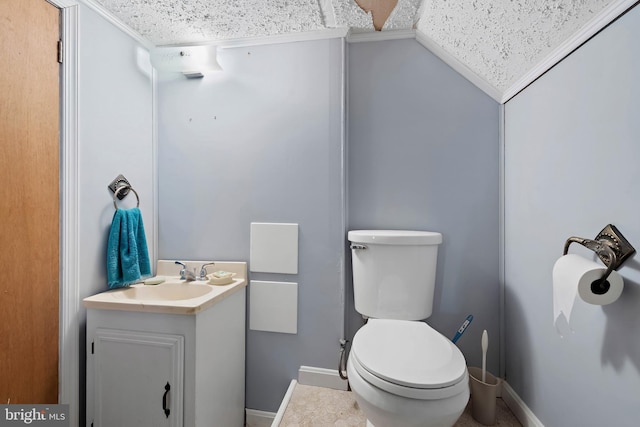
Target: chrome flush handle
355 246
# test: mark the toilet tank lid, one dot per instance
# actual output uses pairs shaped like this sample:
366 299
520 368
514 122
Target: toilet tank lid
395 237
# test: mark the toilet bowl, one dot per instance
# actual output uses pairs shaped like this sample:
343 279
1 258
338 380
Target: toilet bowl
406 374
403 373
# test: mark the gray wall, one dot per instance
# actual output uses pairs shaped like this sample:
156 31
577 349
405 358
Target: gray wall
423 154
262 141
114 136
573 166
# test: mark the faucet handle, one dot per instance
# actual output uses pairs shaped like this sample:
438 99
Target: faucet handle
185 274
183 271
203 270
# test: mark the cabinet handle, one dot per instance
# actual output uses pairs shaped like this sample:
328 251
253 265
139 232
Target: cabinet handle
167 411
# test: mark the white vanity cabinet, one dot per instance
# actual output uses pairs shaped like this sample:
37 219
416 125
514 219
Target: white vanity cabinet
167 368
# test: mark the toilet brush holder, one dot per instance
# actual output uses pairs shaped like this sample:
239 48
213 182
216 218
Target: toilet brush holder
483 396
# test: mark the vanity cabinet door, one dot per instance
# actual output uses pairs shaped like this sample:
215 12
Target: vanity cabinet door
138 379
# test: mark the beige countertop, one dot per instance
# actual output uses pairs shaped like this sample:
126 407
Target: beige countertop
173 296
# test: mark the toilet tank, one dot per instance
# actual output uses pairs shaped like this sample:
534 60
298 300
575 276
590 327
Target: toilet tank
394 272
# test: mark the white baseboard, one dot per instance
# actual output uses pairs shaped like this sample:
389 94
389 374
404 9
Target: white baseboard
520 409
307 375
321 377
255 418
283 406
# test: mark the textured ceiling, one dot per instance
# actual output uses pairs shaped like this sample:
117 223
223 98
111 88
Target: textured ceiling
500 40
503 39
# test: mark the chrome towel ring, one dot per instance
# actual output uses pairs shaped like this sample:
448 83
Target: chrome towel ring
122 187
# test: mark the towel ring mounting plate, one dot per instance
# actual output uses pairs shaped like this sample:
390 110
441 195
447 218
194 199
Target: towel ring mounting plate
120 181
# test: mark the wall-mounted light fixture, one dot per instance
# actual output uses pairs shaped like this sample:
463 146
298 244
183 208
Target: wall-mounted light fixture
192 61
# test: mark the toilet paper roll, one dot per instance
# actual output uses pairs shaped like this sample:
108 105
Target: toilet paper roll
573 274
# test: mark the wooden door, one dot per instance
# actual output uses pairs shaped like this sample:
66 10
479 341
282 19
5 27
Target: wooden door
29 201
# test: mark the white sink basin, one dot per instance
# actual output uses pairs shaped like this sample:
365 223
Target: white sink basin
164 292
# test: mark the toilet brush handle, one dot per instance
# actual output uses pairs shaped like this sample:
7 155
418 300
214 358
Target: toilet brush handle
460 331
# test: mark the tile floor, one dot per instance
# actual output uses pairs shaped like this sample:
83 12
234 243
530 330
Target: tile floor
316 406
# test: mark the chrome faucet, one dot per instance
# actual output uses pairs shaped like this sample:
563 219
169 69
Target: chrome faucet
203 271
185 274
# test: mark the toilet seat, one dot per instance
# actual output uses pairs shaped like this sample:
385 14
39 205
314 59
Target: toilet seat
408 358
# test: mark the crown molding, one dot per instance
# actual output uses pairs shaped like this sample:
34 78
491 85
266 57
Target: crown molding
590 29
459 66
273 39
61 4
110 17
371 36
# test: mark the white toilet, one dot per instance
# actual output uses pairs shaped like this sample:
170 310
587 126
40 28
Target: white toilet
402 372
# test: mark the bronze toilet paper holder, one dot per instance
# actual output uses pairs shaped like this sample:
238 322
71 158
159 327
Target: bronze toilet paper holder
611 247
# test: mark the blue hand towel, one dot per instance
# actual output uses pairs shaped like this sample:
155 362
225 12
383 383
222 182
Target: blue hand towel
127 253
